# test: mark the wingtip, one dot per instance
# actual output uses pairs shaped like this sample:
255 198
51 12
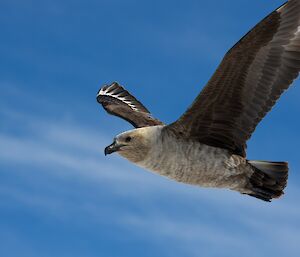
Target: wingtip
116 91
105 88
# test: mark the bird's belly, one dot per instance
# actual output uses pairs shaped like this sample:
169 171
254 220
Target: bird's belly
198 165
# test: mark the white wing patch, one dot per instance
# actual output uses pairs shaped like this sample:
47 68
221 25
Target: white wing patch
294 42
296 37
105 92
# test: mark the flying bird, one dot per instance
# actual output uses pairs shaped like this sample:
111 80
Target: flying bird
206 146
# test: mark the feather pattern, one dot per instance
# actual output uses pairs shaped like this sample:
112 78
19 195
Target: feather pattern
118 101
251 77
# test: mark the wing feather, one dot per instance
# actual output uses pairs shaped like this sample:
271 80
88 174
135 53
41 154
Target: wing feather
119 102
250 79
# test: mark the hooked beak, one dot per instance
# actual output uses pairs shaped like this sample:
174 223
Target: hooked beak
114 147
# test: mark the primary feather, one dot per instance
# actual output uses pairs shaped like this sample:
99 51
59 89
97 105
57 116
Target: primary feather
246 85
118 101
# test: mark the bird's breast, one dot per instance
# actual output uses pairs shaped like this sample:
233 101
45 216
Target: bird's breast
193 163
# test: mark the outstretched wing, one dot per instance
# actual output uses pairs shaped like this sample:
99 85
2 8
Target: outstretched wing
251 77
119 102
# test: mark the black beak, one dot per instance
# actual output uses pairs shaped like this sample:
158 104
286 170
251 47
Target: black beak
112 148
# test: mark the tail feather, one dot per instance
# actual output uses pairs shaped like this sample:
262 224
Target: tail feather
268 180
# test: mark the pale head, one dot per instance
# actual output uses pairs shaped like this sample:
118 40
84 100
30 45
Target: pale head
135 144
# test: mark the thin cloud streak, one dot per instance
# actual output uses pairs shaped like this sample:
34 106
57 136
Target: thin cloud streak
61 197
50 146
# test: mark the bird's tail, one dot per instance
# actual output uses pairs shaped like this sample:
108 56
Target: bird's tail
268 180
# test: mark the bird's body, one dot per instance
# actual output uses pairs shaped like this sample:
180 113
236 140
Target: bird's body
206 146
194 163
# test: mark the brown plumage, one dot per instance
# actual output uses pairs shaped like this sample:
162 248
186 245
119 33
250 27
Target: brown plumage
117 101
249 80
206 146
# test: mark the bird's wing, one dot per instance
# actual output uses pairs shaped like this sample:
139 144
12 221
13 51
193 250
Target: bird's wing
251 77
119 102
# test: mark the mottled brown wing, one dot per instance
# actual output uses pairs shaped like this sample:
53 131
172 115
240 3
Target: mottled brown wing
251 77
119 102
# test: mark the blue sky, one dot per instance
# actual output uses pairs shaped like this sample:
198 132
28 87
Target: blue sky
59 195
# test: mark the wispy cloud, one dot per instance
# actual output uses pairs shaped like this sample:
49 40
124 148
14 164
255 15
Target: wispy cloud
61 197
76 151
49 155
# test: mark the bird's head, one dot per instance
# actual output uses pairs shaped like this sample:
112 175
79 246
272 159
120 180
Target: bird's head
135 144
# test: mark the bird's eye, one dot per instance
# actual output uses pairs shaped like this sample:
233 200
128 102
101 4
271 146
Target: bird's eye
127 139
